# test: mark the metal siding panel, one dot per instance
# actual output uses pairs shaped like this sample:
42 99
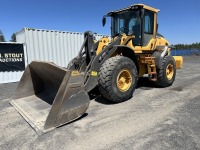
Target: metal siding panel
55 48
67 46
30 46
65 49
62 46
40 46
45 44
37 45
71 49
20 36
59 50
7 77
50 46
77 47
71 46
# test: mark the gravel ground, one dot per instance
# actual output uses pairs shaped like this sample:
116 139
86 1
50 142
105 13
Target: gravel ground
155 118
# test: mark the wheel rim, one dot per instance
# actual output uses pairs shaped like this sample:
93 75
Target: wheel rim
124 80
170 71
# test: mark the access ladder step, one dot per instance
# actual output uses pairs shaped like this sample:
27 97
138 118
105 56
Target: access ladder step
153 73
154 79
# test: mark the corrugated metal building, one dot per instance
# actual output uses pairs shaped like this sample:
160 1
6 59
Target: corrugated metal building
49 45
46 45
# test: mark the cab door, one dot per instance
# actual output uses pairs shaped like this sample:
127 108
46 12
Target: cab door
148 27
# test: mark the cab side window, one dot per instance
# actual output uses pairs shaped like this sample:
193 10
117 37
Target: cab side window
148 26
148 21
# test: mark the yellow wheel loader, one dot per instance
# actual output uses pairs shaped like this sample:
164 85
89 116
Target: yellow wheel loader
49 96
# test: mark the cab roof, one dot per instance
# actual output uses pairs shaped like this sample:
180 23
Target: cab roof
140 5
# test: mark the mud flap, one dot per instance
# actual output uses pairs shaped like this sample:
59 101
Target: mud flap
49 96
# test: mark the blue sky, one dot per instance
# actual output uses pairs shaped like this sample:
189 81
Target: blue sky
179 20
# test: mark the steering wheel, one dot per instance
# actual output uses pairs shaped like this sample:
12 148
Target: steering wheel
124 30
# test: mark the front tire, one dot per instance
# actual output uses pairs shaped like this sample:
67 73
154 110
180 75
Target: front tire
166 74
118 79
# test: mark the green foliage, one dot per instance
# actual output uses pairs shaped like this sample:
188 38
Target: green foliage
2 39
13 38
187 46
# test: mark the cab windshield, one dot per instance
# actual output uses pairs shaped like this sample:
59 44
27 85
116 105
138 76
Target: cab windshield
127 22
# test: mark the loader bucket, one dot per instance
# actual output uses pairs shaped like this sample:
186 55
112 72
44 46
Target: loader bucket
49 96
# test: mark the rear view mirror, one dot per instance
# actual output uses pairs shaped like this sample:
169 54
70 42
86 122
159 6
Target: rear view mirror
104 21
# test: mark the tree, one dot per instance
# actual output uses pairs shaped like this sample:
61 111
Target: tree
13 38
187 46
2 39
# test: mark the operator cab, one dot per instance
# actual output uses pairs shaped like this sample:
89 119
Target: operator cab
138 20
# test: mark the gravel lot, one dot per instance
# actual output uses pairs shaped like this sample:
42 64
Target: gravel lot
155 118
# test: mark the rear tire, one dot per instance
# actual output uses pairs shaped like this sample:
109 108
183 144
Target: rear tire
118 79
166 74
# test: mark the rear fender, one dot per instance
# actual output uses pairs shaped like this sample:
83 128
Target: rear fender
159 54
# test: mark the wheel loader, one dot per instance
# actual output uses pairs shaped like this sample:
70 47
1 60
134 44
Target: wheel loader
49 96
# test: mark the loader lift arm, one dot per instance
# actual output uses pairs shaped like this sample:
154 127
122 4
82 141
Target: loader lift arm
86 53
88 62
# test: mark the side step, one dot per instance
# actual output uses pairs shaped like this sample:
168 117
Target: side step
151 67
